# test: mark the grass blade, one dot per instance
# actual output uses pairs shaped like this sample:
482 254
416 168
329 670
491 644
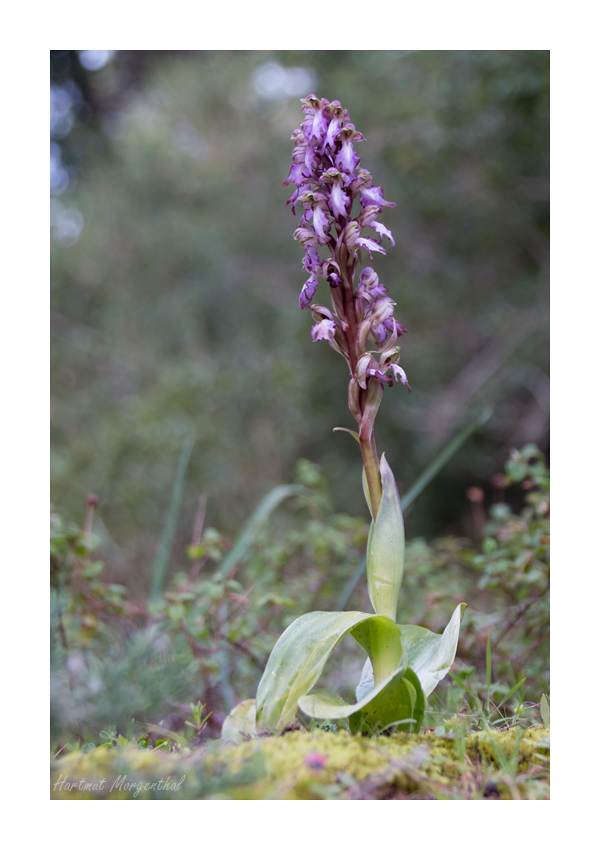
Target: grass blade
272 500
510 693
350 585
488 673
545 710
463 686
444 456
161 562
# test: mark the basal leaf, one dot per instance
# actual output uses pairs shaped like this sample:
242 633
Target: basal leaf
301 652
430 656
398 698
240 723
402 704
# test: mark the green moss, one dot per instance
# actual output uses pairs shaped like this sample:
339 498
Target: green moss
306 765
500 747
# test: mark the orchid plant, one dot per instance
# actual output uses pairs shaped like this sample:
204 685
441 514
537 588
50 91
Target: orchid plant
404 662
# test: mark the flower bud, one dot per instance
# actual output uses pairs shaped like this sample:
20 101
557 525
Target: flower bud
320 313
305 236
389 356
350 236
382 309
354 399
362 367
368 216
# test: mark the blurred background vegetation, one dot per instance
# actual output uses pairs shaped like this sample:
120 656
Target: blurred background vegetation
175 280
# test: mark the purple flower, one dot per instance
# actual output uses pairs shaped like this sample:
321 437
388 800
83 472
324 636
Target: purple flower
305 236
368 216
311 261
382 309
331 273
374 195
383 231
380 333
346 159
321 223
370 245
400 374
338 200
392 323
308 291
325 329
380 376
369 287
337 111
318 126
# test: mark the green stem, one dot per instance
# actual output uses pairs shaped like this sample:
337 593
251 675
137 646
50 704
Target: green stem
371 464
386 652
416 489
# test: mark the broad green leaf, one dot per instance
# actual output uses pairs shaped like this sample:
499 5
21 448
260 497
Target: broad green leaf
240 723
403 706
398 698
301 652
328 702
430 656
385 548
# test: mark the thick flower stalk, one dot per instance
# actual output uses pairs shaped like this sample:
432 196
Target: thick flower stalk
360 325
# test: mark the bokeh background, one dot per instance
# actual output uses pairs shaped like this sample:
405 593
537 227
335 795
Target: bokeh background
175 281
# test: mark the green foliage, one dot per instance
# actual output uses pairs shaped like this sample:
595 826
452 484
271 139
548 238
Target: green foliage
114 658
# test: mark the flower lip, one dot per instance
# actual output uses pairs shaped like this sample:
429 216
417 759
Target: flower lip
370 245
399 374
325 329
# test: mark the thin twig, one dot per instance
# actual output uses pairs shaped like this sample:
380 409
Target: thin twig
247 650
516 619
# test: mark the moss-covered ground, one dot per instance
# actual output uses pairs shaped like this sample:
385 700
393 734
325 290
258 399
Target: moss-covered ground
318 765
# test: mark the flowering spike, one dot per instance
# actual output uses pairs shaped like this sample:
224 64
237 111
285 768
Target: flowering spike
328 179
